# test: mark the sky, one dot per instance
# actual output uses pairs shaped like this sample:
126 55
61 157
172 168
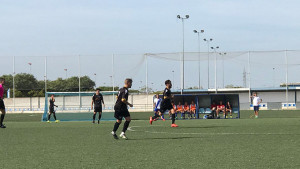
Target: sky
37 28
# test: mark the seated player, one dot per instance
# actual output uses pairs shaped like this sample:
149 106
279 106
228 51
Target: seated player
186 109
193 110
220 108
213 108
179 109
156 105
228 108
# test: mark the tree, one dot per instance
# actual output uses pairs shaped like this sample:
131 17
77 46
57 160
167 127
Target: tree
108 88
232 86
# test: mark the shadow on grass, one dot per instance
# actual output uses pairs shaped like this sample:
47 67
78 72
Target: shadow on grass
165 138
202 127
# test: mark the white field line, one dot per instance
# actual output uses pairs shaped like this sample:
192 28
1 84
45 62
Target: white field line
156 132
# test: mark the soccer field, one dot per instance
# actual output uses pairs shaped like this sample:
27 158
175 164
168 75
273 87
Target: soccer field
272 141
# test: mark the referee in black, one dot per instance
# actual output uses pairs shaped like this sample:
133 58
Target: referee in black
97 101
121 109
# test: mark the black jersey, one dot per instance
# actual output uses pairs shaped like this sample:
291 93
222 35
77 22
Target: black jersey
51 104
123 94
166 102
167 94
98 99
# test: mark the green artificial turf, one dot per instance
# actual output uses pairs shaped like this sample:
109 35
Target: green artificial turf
271 141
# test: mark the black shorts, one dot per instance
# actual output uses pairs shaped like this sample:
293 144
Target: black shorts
119 114
256 108
165 105
2 106
98 109
51 110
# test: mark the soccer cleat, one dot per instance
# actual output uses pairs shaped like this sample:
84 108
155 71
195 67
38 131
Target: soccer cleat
114 135
231 116
3 126
256 117
56 121
151 120
174 125
163 120
122 135
98 121
94 121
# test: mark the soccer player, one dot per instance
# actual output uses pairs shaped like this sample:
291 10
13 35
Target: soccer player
97 101
228 108
166 103
186 109
220 108
180 109
51 109
256 102
2 106
121 109
193 109
156 105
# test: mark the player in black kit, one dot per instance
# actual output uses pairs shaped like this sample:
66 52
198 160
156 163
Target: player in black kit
121 109
97 101
166 103
51 109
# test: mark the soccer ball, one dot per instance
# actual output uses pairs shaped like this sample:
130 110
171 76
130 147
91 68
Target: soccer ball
205 117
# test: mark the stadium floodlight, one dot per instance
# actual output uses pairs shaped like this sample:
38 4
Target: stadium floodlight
182 64
215 51
223 54
198 33
30 67
207 41
66 70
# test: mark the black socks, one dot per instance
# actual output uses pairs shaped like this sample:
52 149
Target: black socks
1 119
173 118
126 124
116 126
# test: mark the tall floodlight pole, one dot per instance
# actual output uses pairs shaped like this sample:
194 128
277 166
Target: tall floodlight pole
286 79
223 54
66 70
95 74
79 74
182 64
14 73
173 79
45 76
199 54
208 41
215 51
29 67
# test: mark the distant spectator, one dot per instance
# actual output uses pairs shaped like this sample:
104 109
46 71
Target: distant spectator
179 109
186 109
213 108
220 108
193 109
228 108
256 102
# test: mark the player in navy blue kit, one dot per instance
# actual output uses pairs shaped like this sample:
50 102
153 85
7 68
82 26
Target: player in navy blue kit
97 101
166 103
121 109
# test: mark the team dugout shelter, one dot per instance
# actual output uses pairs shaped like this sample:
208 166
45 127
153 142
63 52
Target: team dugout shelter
204 101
